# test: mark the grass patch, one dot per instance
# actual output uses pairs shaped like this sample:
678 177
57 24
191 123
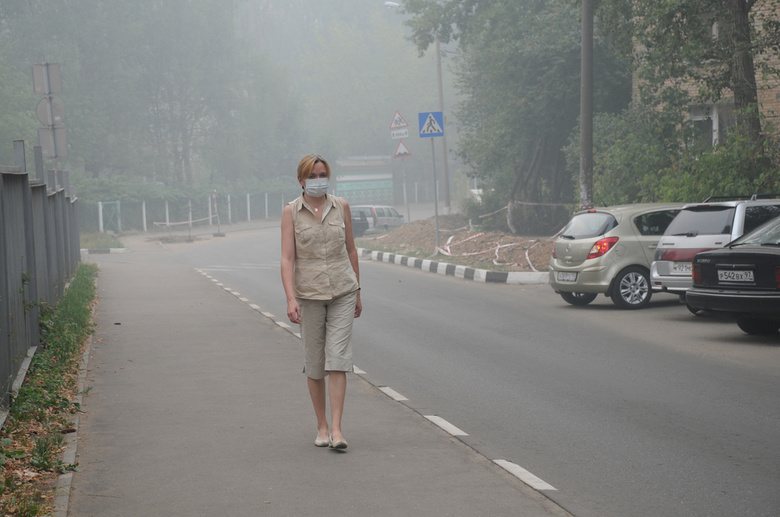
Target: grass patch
97 240
39 416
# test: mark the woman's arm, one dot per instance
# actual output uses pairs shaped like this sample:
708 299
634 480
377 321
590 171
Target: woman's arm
353 254
288 265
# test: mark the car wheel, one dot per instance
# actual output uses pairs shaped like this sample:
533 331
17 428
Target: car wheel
578 298
756 327
631 289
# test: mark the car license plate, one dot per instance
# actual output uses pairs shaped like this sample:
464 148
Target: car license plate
564 276
681 268
735 276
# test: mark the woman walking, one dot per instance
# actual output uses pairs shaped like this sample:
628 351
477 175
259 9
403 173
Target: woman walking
321 281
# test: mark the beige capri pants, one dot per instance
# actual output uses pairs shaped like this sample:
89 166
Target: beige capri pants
326 332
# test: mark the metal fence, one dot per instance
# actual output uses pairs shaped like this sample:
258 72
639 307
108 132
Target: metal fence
39 253
163 215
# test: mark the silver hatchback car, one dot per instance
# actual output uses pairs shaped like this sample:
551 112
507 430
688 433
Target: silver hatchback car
608 251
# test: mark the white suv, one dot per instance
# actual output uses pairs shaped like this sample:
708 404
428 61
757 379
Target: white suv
701 227
379 217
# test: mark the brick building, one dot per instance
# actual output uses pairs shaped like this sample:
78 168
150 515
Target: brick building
712 119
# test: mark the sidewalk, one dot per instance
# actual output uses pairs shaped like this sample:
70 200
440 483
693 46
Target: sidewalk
197 407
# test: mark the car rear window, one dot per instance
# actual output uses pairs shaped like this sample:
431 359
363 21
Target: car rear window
766 234
702 220
757 215
590 224
654 223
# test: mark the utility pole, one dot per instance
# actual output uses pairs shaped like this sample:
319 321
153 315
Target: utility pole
586 107
446 167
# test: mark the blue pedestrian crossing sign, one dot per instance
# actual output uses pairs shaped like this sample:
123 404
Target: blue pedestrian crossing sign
431 124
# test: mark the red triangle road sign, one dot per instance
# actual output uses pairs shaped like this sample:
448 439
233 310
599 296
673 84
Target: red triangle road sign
398 121
402 151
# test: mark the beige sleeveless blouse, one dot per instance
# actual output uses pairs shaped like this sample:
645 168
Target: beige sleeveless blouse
322 267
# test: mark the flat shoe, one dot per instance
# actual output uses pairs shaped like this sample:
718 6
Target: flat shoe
338 444
322 442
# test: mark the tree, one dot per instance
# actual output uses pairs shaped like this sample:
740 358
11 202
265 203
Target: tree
156 90
704 51
519 76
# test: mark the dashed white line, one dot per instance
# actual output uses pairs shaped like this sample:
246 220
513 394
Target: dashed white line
454 431
390 392
514 469
524 476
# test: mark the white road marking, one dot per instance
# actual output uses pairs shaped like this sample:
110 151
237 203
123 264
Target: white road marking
524 476
514 469
454 431
239 267
390 392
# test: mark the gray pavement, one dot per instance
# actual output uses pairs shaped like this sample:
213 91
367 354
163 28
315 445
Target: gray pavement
196 406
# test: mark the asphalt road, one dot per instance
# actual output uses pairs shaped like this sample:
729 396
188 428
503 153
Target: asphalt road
642 413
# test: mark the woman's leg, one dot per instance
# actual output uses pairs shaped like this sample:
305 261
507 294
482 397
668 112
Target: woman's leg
337 390
317 392
313 315
338 356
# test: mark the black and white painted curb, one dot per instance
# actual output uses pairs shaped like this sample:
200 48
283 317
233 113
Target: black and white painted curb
466 273
96 251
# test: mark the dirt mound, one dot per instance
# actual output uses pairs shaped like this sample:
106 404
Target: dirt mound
465 246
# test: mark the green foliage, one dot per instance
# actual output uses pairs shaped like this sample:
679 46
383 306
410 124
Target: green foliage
168 95
642 155
63 329
33 433
7 452
728 169
518 73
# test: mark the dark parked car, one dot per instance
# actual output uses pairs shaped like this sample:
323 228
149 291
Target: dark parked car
742 280
359 223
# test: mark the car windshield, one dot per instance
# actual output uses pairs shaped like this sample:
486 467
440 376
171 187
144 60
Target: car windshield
765 235
590 224
702 220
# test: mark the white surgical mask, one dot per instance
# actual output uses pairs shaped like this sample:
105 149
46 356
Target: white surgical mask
316 187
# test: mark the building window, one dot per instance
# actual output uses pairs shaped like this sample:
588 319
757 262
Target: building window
711 123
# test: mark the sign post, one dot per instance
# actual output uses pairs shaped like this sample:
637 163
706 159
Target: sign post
400 129
431 126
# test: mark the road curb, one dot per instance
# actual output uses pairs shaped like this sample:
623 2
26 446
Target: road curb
464 272
95 251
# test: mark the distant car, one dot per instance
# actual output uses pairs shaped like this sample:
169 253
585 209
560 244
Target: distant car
608 251
701 227
359 223
742 280
380 217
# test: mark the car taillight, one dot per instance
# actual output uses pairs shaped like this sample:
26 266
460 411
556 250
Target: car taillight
696 274
777 277
554 256
602 246
678 255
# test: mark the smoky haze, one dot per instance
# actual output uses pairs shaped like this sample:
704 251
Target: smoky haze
183 93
